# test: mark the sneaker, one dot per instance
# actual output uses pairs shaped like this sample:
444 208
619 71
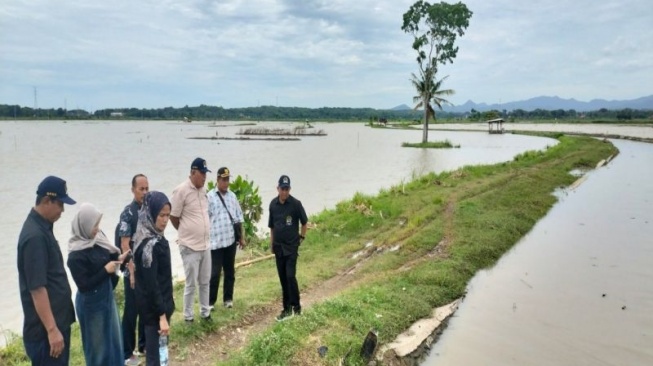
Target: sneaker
297 311
132 361
206 318
188 321
229 304
285 314
139 352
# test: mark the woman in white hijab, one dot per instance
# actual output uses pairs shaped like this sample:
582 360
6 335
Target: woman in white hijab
93 261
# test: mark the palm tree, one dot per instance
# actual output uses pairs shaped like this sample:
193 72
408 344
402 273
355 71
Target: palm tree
429 91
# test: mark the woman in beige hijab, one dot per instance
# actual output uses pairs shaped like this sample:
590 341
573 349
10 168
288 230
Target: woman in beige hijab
93 261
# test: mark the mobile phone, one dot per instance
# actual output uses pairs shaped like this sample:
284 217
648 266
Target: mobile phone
128 258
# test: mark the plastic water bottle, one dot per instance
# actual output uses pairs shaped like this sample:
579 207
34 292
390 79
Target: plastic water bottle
163 350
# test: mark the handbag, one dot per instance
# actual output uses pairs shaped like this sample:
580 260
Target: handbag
237 233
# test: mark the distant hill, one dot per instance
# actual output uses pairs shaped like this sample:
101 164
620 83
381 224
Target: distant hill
401 107
553 103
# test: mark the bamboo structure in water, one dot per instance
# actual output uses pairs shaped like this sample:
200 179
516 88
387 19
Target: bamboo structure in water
297 131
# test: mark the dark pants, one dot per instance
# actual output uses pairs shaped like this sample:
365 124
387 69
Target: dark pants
39 351
152 344
287 269
129 315
223 259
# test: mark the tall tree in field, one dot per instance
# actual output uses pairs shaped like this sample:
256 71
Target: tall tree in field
434 28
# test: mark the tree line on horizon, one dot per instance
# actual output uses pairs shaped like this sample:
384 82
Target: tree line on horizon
211 113
272 113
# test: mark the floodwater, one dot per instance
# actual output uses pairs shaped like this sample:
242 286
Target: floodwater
578 289
98 160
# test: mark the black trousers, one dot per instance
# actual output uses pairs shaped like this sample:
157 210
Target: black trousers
152 344
129 315
223 259
287 269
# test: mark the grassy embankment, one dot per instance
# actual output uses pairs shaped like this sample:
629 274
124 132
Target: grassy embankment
418 245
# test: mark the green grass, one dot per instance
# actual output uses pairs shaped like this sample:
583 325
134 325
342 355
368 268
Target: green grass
446 144
478 211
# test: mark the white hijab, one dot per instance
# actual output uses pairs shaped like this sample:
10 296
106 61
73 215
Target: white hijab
86 219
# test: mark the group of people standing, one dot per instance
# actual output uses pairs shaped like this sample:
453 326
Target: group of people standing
209 229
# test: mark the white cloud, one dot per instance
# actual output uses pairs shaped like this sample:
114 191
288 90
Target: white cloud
314 53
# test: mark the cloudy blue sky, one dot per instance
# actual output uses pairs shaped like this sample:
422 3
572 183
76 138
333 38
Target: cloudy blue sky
312 53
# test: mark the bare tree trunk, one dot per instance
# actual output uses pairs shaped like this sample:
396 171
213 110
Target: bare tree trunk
425 131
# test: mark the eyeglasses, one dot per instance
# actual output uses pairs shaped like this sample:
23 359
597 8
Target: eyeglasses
284 188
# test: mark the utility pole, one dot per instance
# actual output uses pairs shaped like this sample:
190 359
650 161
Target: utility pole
36 104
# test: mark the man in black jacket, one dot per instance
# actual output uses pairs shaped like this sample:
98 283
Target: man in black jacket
286 213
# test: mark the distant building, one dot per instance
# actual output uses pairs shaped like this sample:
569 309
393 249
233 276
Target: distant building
495 125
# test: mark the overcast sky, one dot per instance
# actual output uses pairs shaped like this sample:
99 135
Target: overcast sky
312 53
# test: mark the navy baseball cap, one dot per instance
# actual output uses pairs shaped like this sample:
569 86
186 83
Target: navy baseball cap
284 181
54 187
199 164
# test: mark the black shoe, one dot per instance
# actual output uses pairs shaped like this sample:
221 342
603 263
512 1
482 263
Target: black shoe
297 311
206 318
285 314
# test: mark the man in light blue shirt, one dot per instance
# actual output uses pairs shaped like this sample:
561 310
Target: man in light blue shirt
225 215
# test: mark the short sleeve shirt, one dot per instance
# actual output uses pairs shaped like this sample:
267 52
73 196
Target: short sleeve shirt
284 222
40 264
190 205
127 224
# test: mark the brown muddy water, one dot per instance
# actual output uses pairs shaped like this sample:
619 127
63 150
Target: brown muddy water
576 290
98 160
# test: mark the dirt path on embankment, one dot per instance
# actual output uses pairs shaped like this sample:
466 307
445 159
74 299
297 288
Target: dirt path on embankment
220 345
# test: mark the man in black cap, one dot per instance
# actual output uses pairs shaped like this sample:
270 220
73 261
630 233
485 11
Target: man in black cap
286 213
44 290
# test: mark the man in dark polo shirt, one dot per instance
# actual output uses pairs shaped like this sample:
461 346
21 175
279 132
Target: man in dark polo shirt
125 231
44 290
286 213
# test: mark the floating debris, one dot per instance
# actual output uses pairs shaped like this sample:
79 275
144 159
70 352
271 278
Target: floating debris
297 131
245 138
